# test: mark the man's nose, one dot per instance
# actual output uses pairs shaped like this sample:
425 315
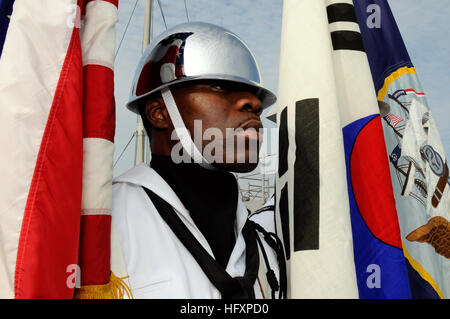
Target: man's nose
248 102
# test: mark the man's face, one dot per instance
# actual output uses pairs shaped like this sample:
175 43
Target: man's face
227 116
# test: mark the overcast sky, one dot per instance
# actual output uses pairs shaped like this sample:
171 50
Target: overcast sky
423 24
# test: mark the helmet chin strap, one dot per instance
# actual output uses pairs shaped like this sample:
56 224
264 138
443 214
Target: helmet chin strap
182 132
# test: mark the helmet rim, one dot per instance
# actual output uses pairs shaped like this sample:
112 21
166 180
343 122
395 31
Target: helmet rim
266 96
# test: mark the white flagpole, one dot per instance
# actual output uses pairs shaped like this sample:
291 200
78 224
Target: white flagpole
140 131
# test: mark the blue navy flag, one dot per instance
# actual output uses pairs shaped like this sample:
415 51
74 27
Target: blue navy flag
5 16
378 256
417 161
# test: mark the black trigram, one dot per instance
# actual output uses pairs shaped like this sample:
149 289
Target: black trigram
344 40
306 176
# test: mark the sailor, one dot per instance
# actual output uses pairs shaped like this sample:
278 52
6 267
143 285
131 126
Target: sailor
179 227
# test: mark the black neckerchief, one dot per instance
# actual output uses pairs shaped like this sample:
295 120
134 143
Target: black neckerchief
210 197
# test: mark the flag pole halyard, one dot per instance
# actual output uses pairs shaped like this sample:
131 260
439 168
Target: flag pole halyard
140 131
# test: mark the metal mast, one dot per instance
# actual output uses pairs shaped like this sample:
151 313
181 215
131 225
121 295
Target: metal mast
140 131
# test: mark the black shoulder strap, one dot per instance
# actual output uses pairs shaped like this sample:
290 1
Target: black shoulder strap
229 287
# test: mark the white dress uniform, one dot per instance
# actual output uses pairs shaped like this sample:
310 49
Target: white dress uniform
145 248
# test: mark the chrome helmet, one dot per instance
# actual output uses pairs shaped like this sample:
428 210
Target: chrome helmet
196 51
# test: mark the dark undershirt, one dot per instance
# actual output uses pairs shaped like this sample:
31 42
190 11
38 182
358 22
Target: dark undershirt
209 196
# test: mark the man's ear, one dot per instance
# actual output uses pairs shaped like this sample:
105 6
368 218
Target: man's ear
156 113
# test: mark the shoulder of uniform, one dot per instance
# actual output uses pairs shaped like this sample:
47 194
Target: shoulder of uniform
268 206
264 209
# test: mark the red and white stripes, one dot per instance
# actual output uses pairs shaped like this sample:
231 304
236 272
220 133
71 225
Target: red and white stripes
41 166
57 133
97 39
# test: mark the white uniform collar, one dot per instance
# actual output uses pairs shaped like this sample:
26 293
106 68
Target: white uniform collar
144 175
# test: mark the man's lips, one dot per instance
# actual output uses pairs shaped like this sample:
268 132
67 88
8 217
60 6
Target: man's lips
251 123
250 129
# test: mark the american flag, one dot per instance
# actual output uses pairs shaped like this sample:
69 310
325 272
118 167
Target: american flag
393 119
58 121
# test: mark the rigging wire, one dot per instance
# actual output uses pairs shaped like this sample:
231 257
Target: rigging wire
162 13
126 28
185 8
151 25
126 146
